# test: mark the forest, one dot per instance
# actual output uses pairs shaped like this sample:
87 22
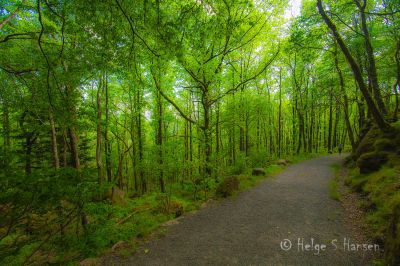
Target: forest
117 115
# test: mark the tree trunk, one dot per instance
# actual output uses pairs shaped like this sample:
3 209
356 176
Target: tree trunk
372 73
345 105
6 137
54 148
107 145
396 86
140 142
280 114
73 142
330 122
380 121
207 132
159 141
99 135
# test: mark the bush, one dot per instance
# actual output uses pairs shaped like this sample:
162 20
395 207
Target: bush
227 187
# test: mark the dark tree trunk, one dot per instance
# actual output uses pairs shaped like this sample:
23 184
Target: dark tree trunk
54 148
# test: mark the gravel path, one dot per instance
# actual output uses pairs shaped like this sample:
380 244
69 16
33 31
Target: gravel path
248 229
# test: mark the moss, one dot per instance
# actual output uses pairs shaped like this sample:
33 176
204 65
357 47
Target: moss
384 144
392 243
371 161
367 143
382 204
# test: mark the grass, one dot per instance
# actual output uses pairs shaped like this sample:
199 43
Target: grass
333 187
333 184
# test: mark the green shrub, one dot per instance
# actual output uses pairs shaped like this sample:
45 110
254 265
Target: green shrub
227 187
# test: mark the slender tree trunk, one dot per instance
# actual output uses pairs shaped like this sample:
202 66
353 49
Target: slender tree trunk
140 143
380 121
73 142
217 129
107 145
30 139
54 148
396 86
345 105
372 73
99 163
160 141
6 137
280 114
330 122
65 150
207 133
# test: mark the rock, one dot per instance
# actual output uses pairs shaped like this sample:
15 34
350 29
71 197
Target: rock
258 171
228 186
367 143
392 242
371 161
117 196
120 245
90 262
384 144
282 162
178 211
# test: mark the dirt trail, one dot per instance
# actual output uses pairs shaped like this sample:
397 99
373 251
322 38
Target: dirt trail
248 230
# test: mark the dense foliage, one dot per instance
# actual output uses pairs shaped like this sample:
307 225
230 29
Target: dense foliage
118 109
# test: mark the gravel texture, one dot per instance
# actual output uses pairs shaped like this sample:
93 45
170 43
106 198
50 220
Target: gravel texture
248 229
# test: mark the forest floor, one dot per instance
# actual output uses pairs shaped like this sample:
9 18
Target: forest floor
255 227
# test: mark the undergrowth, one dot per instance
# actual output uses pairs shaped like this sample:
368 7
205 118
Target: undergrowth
109 224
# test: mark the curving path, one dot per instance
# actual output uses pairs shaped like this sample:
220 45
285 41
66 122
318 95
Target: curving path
248 230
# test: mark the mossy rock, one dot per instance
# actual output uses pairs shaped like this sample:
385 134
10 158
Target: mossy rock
392 242
384 144
227 187
371 161
258 172
367 143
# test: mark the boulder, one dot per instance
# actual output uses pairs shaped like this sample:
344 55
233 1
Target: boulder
282 162
384 144
176 208
367 142
258 171
371 161
228 186
90 262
